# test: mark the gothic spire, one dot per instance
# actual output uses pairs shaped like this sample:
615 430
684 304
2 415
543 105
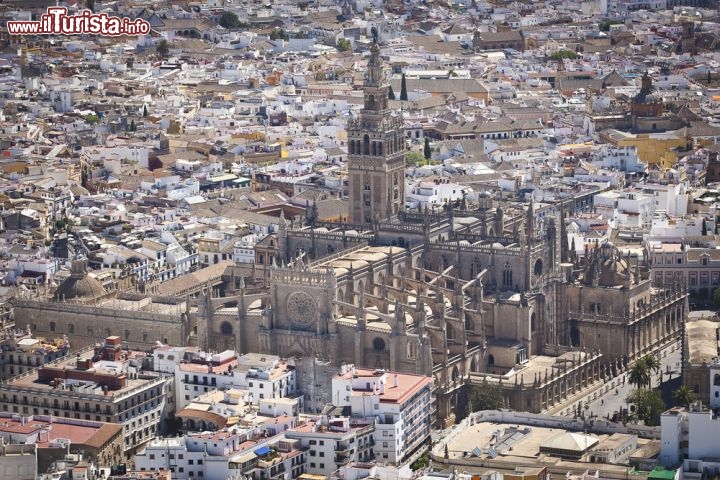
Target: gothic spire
375 65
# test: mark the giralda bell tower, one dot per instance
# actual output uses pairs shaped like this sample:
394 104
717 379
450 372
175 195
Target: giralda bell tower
376 151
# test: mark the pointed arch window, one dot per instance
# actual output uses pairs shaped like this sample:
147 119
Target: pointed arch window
411 351
475 267
507 275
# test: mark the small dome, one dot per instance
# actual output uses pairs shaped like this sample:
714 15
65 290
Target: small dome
646 97
79 284
607 267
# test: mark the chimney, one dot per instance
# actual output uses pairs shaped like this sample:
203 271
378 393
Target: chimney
396 381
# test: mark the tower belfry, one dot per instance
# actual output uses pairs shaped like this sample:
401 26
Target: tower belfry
376 150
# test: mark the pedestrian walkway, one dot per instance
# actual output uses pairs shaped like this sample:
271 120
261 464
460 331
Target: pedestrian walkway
591 392
594 396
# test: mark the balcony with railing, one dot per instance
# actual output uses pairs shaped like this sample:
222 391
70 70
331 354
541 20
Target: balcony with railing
342 451
342 460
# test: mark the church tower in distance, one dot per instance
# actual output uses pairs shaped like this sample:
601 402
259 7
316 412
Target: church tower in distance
376 151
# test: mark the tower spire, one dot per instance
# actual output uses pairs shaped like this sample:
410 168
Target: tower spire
376 149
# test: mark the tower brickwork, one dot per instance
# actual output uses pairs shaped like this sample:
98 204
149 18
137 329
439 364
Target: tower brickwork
376 151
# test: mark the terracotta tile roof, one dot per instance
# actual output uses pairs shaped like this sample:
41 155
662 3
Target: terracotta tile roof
179 284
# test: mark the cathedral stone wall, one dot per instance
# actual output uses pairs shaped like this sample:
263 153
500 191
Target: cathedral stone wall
86 324
614 300
318 245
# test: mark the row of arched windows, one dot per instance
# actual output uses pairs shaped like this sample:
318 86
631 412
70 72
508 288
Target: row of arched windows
376 148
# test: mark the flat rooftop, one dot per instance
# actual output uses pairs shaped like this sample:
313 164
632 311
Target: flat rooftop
539 365
360 258
81 386
702 340
43 432
525 448
144 305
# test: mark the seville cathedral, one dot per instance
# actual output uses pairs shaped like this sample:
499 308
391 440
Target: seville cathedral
476 294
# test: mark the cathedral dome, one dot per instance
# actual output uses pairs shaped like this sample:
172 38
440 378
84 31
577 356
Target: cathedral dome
607 267
647 97
79 285
646 94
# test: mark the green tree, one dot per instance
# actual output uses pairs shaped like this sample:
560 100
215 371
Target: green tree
403 88
172 425
344 45
391 93
414 158
278 34
605 25
229 20
716 297
653 365
484 397
423 461
648 405
704 229
133 128
561 54
427 152
639 375
90 5
92 118
145 111
163 48
61 224
683 396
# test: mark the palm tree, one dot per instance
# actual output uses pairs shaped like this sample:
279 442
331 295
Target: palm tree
639 374
683 396
652 363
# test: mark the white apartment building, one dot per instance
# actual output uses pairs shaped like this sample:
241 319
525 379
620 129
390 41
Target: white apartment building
112 157
620 158
244 251
228 453
105 385
333 443
671 198
714 380
400 405
675 229
261 376
22 353
586 234
625 208
686 439
179 259
438 192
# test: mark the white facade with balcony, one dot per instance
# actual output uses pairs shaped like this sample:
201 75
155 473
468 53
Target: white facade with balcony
434 193
685 439
400 405
620 158
262 377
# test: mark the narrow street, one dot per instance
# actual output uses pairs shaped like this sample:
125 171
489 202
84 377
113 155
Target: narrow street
609 402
